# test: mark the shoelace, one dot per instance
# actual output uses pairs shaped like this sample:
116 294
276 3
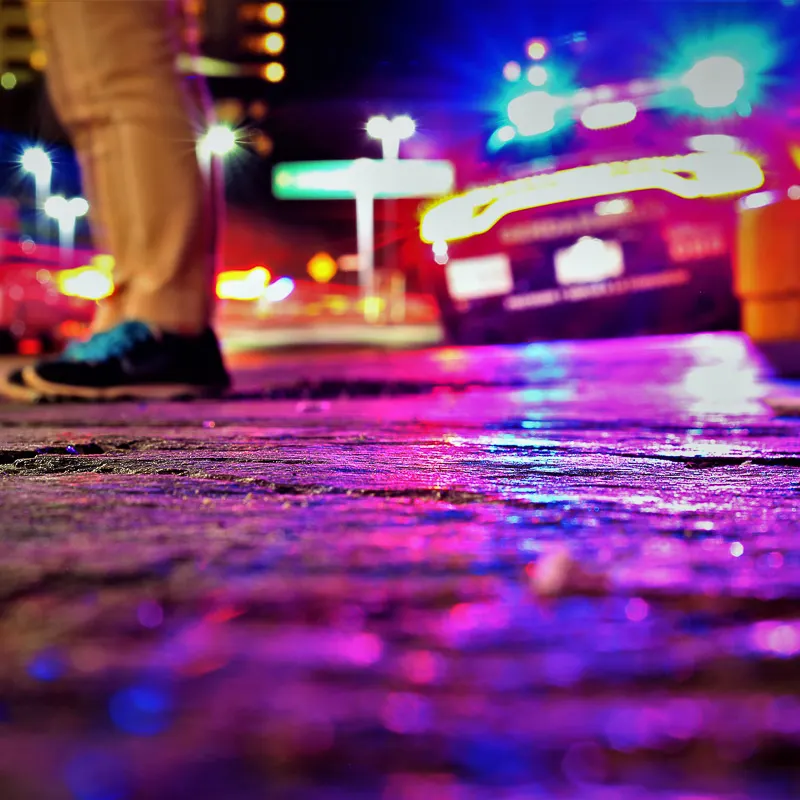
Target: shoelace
109 344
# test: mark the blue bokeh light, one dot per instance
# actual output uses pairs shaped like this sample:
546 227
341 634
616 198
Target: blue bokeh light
141 710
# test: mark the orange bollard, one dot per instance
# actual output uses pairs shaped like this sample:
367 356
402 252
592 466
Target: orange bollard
767 280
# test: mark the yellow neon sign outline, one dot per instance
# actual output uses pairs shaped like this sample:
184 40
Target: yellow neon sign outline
688 176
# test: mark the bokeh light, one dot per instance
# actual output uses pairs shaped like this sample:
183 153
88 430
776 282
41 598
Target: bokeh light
512 71
274 72
537 76
46 666
274 13
715 82
38 60
715 143
274 43
150 614
219 140
245 285
608 115
723 71
141 710
278 291
537 50
87 283
36 161
322 267
534 113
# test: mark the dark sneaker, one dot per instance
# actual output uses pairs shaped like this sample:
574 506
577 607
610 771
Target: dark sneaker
133 361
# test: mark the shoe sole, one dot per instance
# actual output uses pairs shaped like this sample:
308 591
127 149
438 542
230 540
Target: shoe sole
17 393
784 406
153 391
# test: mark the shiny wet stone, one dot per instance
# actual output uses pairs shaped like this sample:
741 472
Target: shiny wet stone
341 594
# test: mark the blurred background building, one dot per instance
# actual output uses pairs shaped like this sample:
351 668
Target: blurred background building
19 58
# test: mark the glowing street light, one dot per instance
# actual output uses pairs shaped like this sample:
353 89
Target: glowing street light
390 132
219 140
66 213
217 144
715 82
36 162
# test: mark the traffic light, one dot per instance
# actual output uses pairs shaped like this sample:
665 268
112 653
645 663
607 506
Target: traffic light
263 39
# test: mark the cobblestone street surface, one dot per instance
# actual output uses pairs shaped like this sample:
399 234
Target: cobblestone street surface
551 571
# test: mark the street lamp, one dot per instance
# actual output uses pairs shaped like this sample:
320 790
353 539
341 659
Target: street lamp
390 132
214 147
219 140
36 162
66 213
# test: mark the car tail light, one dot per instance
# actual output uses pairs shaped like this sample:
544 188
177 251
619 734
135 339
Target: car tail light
694 242
30 347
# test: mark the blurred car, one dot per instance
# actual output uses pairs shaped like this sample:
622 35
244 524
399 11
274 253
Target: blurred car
41 304
609 209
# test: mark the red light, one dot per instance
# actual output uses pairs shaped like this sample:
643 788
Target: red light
72 329
29 347
695 242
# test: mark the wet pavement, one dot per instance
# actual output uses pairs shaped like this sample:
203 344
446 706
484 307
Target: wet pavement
552 571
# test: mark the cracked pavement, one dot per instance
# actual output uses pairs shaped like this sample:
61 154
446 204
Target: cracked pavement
330 585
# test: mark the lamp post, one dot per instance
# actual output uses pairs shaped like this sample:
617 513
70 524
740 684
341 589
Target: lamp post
390 133
66 213
36 162
216 145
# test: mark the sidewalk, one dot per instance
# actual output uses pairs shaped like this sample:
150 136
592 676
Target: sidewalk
341 594
238 339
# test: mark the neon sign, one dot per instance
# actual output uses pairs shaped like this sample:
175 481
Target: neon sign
688 176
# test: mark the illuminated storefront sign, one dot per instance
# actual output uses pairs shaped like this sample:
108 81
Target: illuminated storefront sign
690 176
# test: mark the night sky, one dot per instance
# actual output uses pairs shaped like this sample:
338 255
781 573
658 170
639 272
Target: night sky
439 60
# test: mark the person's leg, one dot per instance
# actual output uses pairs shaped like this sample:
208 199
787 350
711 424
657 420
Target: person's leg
118 92
135 124
109 312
